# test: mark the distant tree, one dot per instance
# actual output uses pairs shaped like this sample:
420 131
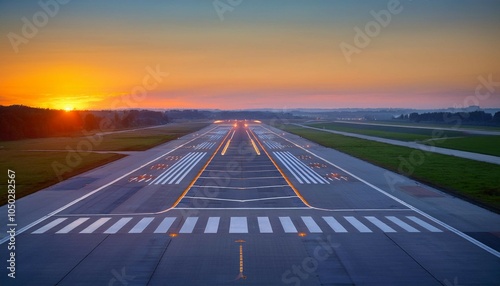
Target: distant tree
91 122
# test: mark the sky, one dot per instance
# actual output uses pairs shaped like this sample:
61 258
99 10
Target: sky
247 54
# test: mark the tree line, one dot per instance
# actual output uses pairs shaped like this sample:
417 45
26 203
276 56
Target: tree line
23 122
474 117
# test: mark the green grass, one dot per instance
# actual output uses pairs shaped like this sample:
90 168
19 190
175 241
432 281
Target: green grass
34 169
138 140
476 181
388 132
463 127
489 145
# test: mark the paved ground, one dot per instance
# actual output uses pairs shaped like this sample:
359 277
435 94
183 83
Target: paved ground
415 145
249 205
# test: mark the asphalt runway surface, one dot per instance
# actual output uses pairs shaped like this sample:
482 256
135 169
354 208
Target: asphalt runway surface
247 204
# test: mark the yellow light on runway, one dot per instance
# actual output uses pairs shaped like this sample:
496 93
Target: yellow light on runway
225 148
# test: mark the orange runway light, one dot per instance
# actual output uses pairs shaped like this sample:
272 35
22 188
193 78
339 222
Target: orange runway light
173 235
302 234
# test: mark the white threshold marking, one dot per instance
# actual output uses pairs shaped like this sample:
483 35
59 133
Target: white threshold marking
238 225
402 224
378 223
165 225
73 225
189 225
424 224
93 227
118 225
72 203
287 224
357 224
311 225
49 226
198 159
334 224
212 225
422 213
264 225
141 225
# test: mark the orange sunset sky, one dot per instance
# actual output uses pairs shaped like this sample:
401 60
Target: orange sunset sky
258 54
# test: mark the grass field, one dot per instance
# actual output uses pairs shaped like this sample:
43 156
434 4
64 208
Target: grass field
389 132
137 140
463 127
489 145
476 181
34 169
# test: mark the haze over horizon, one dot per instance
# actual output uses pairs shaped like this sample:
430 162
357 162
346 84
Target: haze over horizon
256 54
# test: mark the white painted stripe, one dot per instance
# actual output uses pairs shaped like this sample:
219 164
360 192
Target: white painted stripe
212 225
141 225
49 226
174 168
186 169
308 170
167 179
304 169
334 224
189 225
357 224
238 225
189 170
300 166
73 225
402 224
93 227
311 225
287 224
170 179
378 223
264 225
165 225
289 169
118 225
424 224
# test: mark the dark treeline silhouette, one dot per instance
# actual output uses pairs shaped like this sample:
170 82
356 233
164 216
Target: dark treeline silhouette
225 115
474 117
22 122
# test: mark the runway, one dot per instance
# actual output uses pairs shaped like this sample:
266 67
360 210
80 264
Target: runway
247 204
